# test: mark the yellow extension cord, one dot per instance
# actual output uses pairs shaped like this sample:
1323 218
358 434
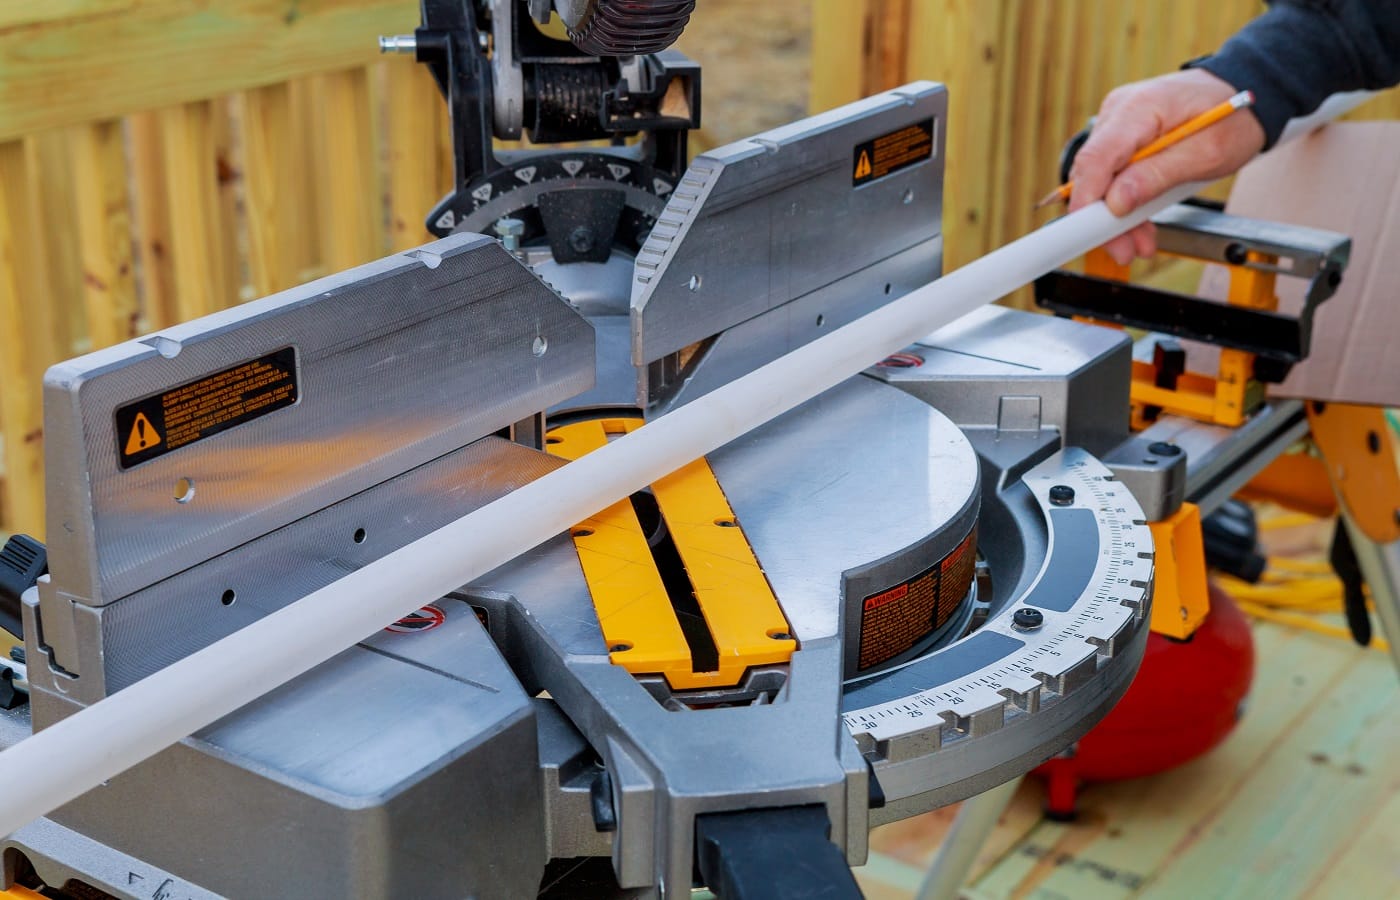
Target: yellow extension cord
1294 591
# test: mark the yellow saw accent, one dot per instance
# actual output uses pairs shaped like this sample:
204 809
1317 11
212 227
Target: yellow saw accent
634 610
1180 598
20 893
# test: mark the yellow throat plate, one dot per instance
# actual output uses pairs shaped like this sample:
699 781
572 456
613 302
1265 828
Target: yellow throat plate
634 608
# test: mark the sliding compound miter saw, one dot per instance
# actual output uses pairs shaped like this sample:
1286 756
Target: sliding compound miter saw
912 588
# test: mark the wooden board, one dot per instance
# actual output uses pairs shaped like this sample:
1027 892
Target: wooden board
158 53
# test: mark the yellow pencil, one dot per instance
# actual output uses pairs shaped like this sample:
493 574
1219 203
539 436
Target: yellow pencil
1242 100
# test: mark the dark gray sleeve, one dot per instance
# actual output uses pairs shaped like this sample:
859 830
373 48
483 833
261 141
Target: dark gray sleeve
1300 51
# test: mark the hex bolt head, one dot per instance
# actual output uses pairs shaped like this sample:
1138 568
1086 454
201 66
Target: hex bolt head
1162 448
1061 495
1027 619
510 231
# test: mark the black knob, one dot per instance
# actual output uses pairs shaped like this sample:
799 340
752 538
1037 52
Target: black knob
1027 618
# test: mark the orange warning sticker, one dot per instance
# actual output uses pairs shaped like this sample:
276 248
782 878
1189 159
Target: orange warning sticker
891 152
863 165
894 620
143 435
199 409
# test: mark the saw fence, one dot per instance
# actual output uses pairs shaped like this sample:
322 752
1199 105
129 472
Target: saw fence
160 160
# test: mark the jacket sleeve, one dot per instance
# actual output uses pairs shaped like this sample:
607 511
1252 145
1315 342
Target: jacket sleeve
1301 51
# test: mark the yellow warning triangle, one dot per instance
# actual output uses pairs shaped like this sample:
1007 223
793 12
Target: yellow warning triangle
143 435
863 165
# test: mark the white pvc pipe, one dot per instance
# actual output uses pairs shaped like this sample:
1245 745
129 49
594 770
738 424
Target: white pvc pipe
78 753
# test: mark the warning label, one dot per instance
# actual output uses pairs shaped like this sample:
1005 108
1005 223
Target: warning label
198 409
425 619
894 620
892 152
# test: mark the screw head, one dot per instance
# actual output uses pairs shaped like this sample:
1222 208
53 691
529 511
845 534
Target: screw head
780 636
1027 619
581 240
1162 448
1061 495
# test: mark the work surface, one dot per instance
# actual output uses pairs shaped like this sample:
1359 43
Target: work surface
1302 800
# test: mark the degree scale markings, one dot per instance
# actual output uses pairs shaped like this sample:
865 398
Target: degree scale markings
1108 611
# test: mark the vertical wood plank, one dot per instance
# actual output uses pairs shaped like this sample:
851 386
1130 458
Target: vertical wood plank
21 415
187 133
839 35
414 177
351 211
957 42
228 177
155 261
271 157
104 232
887 33
307 149
53 209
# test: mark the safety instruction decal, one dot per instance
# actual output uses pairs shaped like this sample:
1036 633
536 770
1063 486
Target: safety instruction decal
895 619
891 152
425 619
205 407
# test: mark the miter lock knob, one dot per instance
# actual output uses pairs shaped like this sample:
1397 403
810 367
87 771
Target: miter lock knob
1027 619
1061 495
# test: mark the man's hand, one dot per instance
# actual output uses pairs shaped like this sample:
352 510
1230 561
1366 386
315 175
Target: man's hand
1134 115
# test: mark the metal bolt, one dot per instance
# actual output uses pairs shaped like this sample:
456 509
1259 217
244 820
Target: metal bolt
1061 495
619 648
510 230
1162 448
1027 619
398 43
581 240
780 636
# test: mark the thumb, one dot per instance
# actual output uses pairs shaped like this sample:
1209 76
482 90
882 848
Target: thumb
1112 141
1150 178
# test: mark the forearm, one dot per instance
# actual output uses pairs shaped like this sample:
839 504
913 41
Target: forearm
1301 51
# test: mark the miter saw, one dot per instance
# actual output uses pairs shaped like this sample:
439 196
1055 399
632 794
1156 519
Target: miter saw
911 589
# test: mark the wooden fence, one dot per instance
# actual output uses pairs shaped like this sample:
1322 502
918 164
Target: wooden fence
162 159
1022 75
